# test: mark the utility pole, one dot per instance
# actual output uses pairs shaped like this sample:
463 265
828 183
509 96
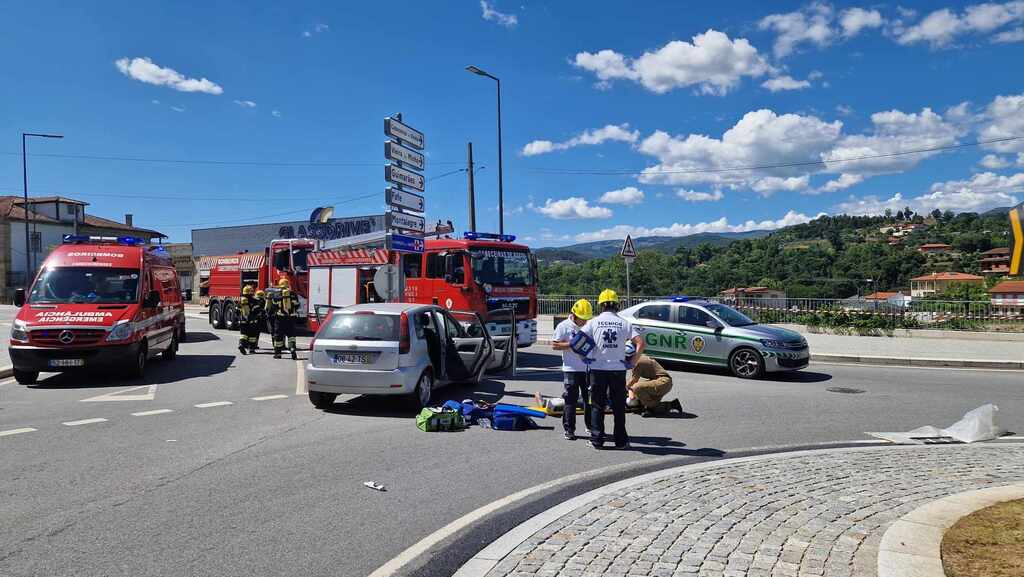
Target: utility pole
28 214
472 192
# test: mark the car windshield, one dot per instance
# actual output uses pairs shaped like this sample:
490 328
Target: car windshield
86 285
501 267
731 316
361 327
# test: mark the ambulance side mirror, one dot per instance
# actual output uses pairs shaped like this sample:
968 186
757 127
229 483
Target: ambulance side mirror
152 300
19 297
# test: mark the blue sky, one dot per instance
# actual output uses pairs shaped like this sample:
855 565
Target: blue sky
618 117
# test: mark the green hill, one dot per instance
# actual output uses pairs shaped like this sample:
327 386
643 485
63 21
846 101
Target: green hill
583 252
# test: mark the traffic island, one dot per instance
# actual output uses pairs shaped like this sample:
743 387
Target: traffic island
986 543
822 512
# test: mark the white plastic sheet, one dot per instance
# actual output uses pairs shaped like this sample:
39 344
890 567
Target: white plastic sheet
976 425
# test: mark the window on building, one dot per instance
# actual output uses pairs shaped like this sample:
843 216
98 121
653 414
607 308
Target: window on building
37 241
435 265
411 265
70 209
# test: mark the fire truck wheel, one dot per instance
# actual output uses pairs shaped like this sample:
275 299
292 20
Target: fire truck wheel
230 316
139 368
322 401
26 377
171 351
216 315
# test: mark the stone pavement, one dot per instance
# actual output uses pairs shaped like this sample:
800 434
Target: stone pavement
806 514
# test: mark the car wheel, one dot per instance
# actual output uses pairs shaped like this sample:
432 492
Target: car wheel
181 332
26 377
746 363
322 401
141 357
424 390
216 315
230 316
172 350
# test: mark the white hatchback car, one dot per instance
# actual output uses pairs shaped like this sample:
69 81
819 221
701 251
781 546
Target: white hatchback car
397 349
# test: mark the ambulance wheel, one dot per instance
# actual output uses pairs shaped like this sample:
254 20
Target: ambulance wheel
424 392
746 363
172 350
230 316
322 401
26 377
216 315
139 369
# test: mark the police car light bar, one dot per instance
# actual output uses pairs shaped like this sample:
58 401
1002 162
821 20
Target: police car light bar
488 236
83 238
680 299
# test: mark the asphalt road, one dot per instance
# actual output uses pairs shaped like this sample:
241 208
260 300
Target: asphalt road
274 487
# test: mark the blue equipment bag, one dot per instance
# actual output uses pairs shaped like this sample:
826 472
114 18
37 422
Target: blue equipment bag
582 345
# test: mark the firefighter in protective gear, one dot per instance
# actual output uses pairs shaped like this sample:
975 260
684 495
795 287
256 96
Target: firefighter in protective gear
259 320
282 308
245 319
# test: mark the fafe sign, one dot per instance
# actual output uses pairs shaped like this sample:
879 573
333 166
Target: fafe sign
404 199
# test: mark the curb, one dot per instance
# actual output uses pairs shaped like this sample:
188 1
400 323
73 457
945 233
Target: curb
919 362
912 546
7 372
485 560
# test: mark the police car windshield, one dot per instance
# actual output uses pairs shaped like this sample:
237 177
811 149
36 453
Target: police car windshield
501 267
731 316
86 285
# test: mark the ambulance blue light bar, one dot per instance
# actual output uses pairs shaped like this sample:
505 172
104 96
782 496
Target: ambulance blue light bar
488 236
86 239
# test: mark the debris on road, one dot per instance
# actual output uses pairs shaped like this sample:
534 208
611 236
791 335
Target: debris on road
375 486
976 425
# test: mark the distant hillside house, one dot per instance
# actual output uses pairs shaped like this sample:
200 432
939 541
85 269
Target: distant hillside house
935 248
995 262
896 298
1008 297
755 295
938 282
49 219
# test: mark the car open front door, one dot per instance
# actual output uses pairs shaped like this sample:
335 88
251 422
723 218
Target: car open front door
472 343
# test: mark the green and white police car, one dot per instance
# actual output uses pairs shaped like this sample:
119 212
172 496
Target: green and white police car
709 333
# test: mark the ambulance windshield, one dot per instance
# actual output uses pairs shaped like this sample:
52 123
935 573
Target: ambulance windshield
86 285
501 267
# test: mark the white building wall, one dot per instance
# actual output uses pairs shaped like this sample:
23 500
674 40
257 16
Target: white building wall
52 235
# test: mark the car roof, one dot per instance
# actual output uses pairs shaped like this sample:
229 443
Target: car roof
698 302
388 308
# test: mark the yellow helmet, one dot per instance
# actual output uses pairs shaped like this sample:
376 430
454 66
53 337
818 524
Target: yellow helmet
283 283
582 310
247 289
608 296
260 294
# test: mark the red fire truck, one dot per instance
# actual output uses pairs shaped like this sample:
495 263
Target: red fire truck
228 274
483 273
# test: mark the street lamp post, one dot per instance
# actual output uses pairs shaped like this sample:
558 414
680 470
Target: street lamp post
501 191
28 213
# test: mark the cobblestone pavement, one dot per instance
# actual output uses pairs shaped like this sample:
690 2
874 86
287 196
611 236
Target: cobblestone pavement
788 516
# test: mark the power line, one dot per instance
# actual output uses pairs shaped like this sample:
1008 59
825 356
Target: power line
634 172
273 163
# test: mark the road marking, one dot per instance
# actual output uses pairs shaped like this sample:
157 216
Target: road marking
9 432
85 422
121 396
300 378
6 382
153 412
213 404
1011 438
270 397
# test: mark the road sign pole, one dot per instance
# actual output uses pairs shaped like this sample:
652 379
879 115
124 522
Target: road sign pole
628 260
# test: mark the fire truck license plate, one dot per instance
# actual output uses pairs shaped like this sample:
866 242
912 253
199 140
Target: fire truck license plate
352 358
67 362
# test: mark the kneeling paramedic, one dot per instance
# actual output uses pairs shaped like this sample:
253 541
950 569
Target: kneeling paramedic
282 307
610 333
574 367
649 383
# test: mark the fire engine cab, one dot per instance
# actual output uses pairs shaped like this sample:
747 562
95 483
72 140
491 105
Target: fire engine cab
109 302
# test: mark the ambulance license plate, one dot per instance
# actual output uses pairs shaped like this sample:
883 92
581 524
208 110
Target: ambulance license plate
67 362
352 358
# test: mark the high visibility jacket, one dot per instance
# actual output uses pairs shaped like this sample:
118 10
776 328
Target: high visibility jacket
283 303
245 309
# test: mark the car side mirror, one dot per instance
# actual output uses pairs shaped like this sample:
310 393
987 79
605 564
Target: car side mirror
713 324
152 299
19 297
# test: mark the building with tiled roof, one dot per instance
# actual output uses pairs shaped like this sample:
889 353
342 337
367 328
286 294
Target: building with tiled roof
938 282
1008 297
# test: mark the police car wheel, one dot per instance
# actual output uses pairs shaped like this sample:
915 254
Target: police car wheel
746 363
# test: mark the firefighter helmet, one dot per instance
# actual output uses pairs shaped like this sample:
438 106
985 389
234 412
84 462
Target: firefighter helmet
247 290
582 310
260 294
608 296
283 282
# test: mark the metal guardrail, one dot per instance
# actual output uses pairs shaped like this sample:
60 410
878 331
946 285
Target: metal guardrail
857 314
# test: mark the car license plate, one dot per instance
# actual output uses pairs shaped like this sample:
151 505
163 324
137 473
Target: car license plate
67 362
352 358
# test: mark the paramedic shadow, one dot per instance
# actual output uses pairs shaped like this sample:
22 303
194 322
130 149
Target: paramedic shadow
665 446
158 372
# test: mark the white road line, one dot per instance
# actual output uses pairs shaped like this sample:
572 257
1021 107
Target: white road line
213 404
6 382
270 397
85 422
1011 438
153 412
300 378
16 431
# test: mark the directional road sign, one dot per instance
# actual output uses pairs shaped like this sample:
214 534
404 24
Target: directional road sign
628 250
405 243
1016 226
395 151
403 221
404 199
407 134
399 175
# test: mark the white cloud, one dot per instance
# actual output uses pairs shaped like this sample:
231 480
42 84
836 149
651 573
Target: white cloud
854 20
154 101
489 13
1010 36
844 110
1020 159
993 162
629 196
317 29
785 82
694 196
275 113
178 108
770 184
844 181
713 64
145 70
246 103
615 132
811 25
941 27
573 207
678 229
982 192
1004 118
894 132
